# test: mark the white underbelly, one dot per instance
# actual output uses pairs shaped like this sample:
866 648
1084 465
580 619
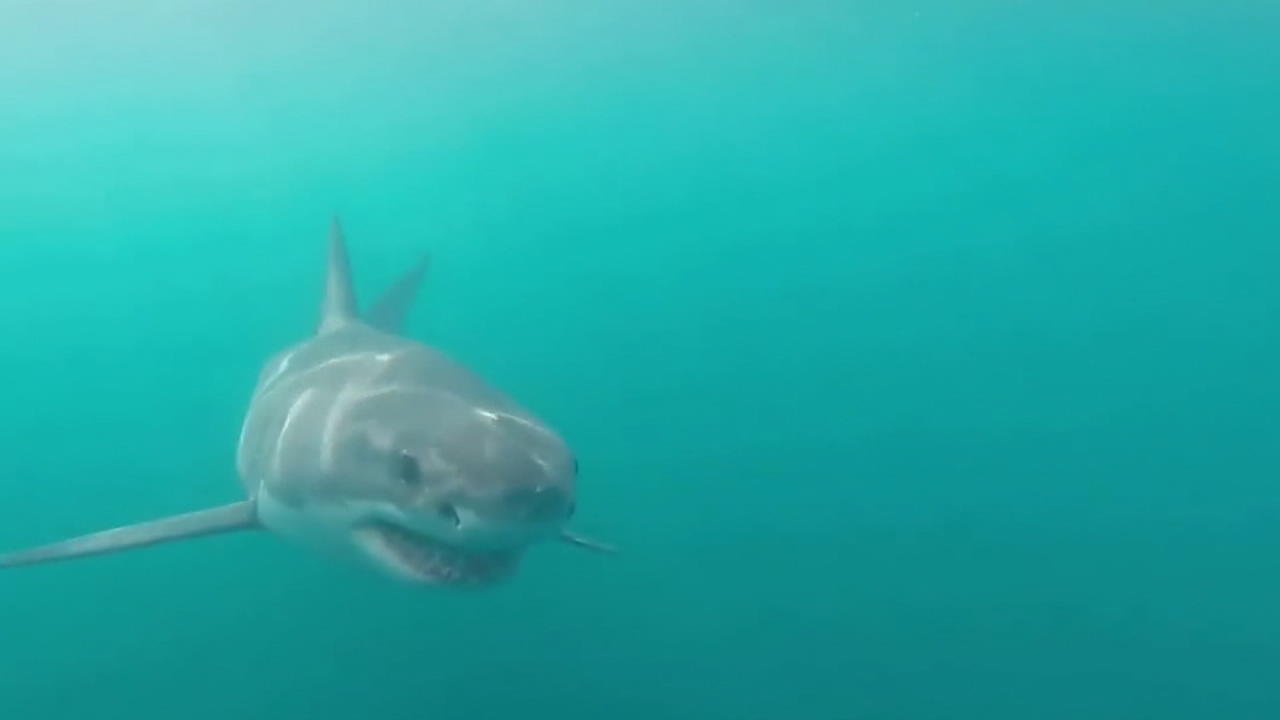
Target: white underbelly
327 528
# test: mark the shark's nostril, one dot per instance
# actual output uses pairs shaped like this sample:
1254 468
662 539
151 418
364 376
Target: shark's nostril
450 513
539 502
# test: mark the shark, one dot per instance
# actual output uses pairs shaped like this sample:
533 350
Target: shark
365 445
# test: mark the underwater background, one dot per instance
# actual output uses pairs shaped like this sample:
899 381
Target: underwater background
920 356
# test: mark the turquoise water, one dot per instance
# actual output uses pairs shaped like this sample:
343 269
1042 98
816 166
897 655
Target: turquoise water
921 356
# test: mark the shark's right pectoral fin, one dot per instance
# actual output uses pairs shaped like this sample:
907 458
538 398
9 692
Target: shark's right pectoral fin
228 518
586 543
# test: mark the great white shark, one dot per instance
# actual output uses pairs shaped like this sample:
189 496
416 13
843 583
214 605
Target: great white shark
364 444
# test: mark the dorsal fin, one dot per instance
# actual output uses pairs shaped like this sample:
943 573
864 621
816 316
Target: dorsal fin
389 312
339 306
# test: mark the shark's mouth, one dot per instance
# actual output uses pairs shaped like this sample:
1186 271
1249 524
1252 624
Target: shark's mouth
419 558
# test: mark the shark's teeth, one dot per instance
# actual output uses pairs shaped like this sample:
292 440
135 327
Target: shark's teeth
418 558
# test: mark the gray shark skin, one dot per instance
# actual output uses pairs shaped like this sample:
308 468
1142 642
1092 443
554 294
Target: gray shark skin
368 446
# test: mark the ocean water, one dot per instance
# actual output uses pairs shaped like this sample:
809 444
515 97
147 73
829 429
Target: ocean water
920 356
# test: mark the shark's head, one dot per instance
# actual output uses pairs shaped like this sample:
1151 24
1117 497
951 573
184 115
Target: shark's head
452 493
362 441
371 444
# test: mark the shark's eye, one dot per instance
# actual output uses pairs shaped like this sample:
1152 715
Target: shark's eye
450 513
407 469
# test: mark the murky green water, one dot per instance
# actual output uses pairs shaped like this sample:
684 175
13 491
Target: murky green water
921 356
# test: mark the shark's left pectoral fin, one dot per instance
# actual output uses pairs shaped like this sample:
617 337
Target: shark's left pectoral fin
586 543
228 518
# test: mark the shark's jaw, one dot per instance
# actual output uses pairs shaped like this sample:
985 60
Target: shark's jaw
418 558
376 535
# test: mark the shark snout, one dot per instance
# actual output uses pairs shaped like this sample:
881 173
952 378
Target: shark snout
520 507
538 503
498 516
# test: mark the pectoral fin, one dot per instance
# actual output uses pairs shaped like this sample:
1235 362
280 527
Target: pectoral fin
228 518
573 538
